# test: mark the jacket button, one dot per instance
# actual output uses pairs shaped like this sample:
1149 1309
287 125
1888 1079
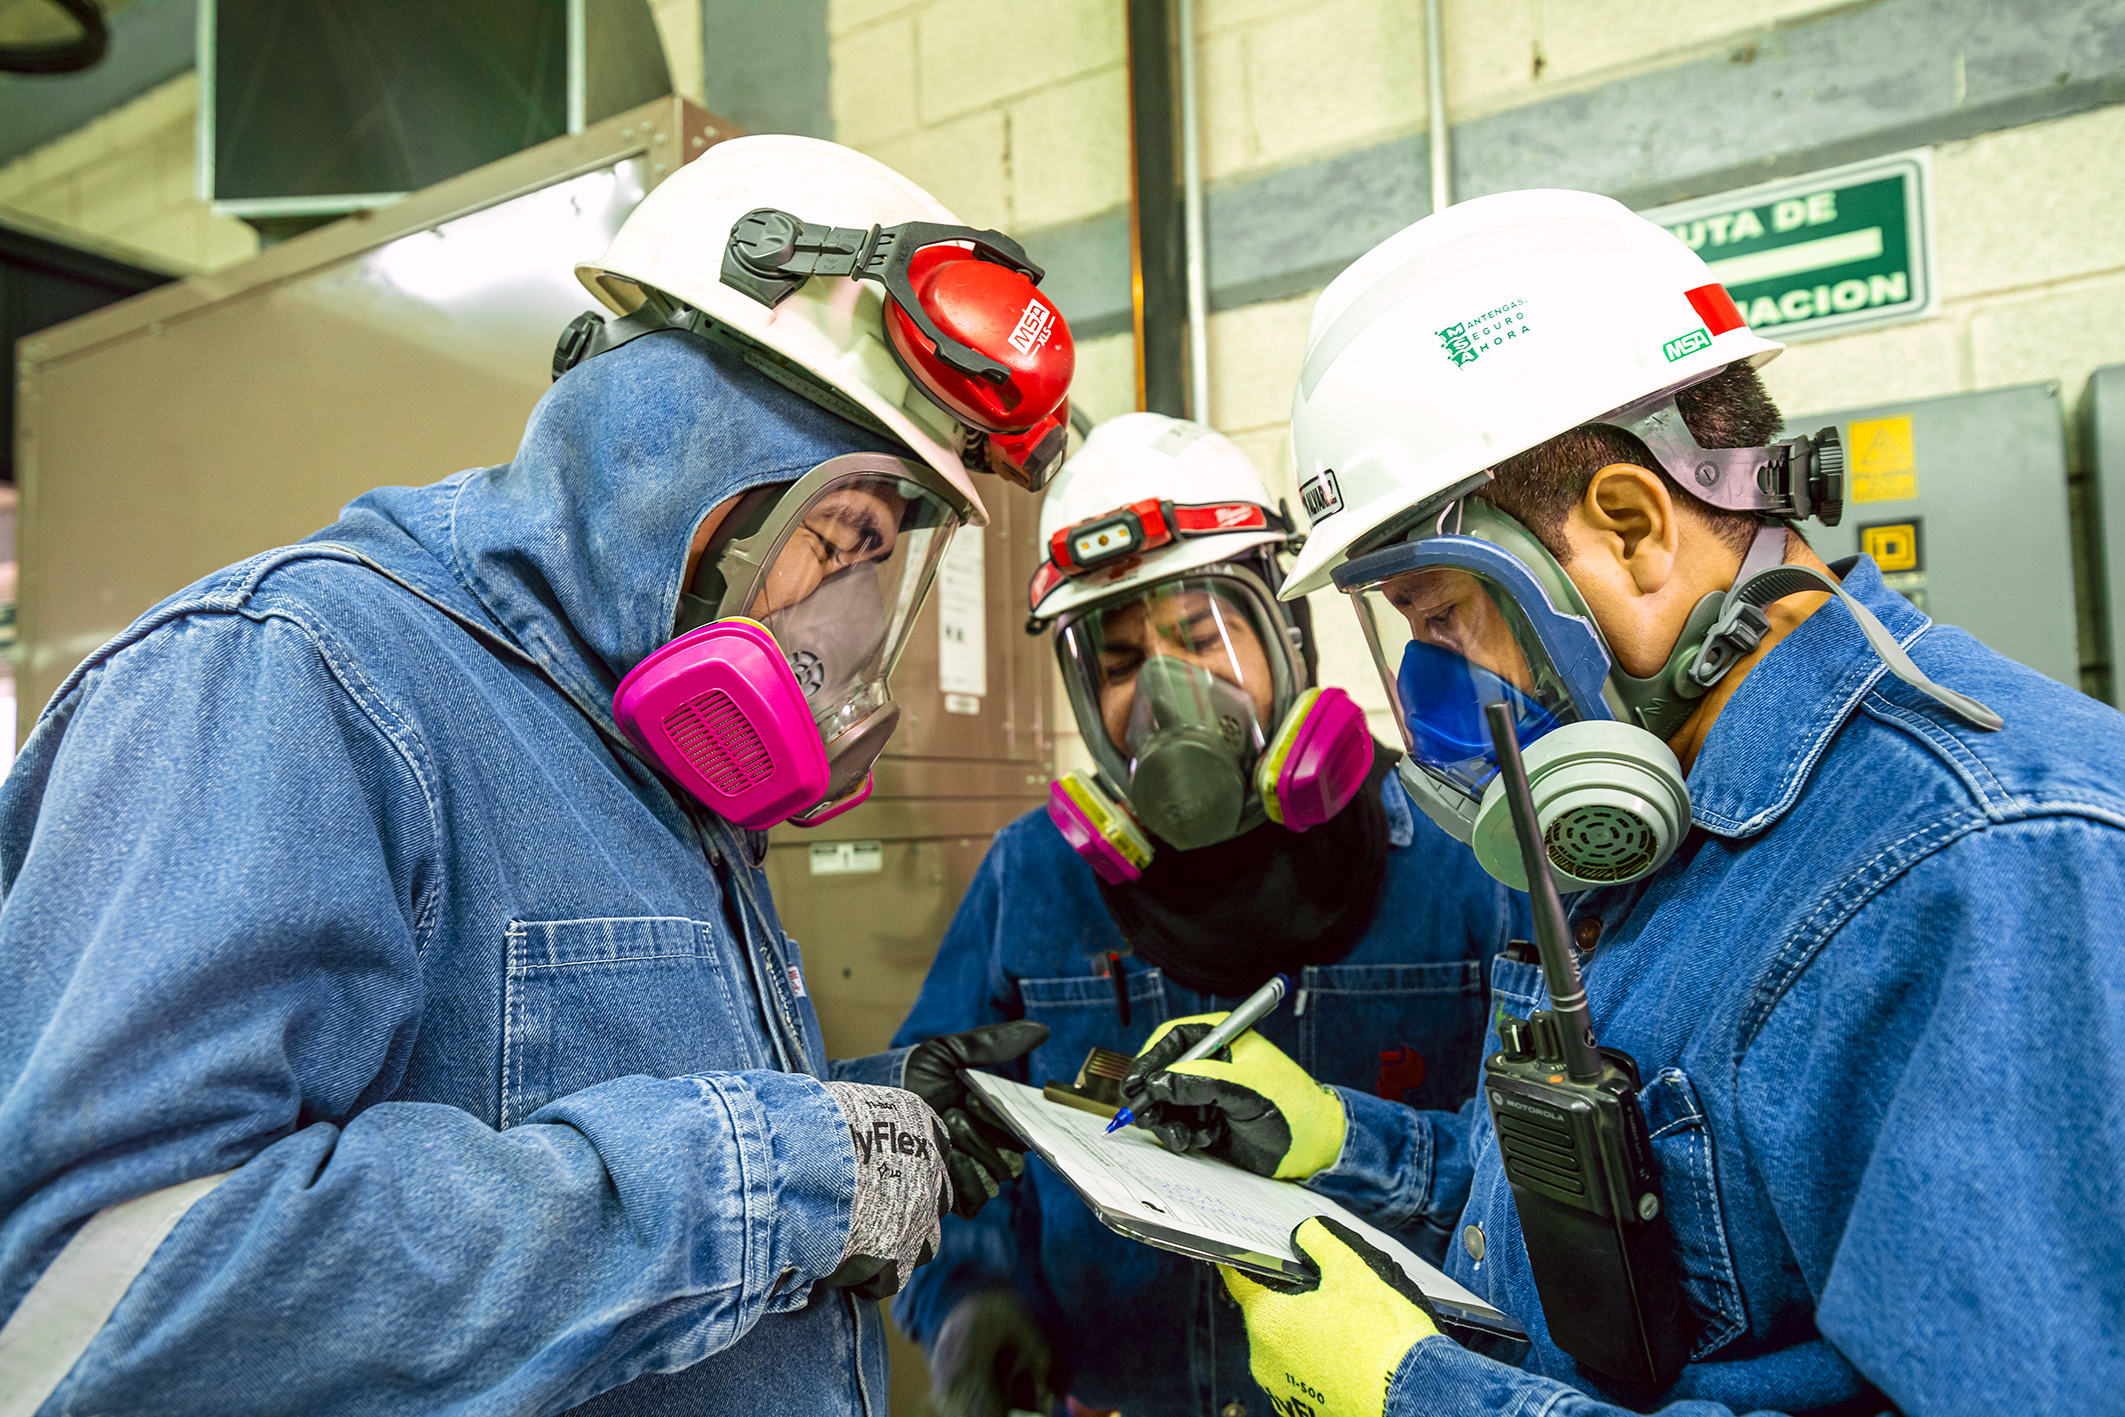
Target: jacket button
1587 933
1472 1241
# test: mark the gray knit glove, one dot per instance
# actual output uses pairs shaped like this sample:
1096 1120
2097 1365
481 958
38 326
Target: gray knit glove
902 1188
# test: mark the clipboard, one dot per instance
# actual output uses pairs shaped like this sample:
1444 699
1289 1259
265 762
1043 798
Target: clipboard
1210 1210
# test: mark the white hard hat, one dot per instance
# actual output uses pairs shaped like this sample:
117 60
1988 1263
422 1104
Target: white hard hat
1196 470
1478 333
831 330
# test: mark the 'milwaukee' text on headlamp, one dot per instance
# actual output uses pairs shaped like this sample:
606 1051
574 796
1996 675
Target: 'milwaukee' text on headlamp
1115 537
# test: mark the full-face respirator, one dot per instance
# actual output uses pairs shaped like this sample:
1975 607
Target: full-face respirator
1475 610
1191 693
772 704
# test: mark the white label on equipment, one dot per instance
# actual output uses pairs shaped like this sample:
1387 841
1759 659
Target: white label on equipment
962 703
847 858
962 640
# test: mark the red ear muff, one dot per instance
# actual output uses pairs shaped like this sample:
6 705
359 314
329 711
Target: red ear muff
964 318
997 312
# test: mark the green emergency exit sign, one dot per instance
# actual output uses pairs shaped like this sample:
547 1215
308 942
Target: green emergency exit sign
1826 253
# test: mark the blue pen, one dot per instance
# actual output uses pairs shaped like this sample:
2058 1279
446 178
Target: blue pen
1252 1011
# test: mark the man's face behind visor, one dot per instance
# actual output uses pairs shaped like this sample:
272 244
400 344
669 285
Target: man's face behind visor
1450 642
1453 611
1191 626
849 526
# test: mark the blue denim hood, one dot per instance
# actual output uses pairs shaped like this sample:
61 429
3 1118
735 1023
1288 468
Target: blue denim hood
575 549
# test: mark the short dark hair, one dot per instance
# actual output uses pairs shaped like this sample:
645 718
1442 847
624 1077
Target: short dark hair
1539 488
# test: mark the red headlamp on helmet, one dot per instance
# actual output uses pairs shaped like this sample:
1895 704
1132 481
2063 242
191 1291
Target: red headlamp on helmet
964 318
1143 526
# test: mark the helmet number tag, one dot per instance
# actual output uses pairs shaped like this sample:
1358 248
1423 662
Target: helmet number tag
1320 495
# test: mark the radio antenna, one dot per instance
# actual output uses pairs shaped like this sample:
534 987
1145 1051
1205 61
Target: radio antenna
1567 991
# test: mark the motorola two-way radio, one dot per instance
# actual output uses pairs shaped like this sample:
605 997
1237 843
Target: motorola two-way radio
1577 1150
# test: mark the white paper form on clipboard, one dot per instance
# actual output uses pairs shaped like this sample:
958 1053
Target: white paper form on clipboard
1201 1207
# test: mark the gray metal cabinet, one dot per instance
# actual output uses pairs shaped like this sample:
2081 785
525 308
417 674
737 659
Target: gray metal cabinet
1963 502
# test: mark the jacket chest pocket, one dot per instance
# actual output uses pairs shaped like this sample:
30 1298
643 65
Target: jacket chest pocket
1082 1013
1364 1025
1689 1192
589 1000
1689 1173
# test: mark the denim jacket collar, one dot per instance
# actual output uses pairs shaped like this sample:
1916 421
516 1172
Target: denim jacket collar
1772 733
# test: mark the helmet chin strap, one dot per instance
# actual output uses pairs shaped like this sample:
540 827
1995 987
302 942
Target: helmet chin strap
1741 625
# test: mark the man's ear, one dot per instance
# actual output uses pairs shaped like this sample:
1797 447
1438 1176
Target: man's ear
1629 517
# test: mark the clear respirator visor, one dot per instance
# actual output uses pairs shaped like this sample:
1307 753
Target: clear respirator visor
1200 660
836 567
1455 624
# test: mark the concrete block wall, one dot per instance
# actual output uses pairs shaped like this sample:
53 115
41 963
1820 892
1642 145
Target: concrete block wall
124 183
2031 237
1020 119
1015 116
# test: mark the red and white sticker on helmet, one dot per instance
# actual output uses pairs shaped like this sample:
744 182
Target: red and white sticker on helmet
1035 323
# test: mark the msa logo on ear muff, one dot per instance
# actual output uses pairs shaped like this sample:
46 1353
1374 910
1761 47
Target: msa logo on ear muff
967 326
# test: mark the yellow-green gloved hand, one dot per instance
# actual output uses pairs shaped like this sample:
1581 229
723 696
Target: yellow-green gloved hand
1330 1346
1247 1103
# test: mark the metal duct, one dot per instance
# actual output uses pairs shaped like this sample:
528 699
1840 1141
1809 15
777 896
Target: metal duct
314 108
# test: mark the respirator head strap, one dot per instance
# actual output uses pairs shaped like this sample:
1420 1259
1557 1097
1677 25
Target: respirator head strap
1782 581
1742 623
1795 479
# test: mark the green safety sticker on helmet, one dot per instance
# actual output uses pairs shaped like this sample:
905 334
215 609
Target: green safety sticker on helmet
1690 343
1465 341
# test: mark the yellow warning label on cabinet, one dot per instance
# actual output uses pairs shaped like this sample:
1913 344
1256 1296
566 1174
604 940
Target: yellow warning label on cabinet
1883 465
1893 545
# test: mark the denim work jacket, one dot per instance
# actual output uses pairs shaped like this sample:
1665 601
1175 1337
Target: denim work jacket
349 891
1878 1001
1136 1327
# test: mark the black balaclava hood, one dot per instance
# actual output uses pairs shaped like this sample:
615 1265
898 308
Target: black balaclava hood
1223 918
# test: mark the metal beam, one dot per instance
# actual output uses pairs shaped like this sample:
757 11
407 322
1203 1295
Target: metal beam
1158 285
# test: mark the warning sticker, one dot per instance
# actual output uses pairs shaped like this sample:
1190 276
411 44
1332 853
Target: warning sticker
1884 464
847 858
1893 545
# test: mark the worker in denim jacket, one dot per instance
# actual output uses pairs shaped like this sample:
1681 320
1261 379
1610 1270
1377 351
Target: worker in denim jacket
397 1018
1847 882
1240 822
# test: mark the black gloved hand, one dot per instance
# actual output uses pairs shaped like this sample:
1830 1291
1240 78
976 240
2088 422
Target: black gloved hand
985 1151
1247 1103
990 1358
